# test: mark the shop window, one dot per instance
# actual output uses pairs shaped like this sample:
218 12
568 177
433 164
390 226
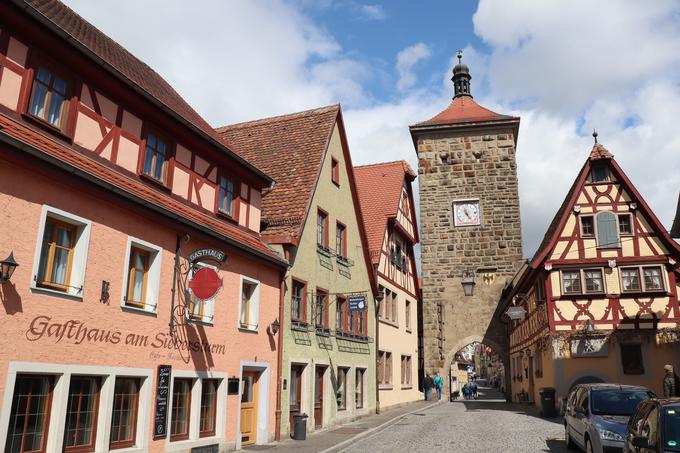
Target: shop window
208 407
359 388
124 413
155 158
587 226
142 276
321 310
340 240
298 305
199 309
250 304
181 409
62 253
652 279
335 171
384 368
607 230
406 370
227 197
625 224
49 99
30 414
81 414
631 358
322 229
342 388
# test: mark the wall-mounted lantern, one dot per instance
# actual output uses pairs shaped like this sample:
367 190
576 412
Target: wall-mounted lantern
7 267
274 327
468 283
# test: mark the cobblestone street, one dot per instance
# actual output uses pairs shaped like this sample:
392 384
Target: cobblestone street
468 426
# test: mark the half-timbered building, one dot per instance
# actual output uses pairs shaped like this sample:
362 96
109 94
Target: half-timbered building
387 206
598 302
116 335
312 217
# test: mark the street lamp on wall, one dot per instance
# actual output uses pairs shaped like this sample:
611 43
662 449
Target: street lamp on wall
468 283
274 327
7 267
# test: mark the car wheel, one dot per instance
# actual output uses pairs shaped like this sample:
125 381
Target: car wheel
589 446
567 439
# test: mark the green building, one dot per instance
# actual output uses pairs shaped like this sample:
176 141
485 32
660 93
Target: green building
312 217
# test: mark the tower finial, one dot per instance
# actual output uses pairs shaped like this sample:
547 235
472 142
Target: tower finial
595 135
461 77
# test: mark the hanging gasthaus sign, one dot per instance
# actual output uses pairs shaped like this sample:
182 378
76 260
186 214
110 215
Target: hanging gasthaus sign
205 282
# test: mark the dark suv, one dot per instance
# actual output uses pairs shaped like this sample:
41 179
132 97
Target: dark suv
654 427
596 415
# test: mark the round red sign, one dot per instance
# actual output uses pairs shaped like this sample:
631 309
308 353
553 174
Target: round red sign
205 283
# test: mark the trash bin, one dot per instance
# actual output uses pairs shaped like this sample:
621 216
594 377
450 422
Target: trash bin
300 426
548 409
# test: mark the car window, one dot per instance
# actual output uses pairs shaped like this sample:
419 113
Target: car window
572 397
638 417
650 426
671 428
617 402
582 393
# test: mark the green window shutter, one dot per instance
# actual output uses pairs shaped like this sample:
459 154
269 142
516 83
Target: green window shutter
607 230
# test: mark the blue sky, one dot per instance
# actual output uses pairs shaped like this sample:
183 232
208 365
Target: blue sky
564 66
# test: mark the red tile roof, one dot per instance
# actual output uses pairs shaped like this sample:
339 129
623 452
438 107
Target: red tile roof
600 152
379 187
125 64
230 233
464 109
290 148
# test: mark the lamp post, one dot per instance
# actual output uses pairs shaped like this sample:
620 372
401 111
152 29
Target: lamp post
7 267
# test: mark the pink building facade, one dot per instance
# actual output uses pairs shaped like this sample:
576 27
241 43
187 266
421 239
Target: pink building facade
108 182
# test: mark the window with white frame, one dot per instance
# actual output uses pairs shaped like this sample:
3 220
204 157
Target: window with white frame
202 310
61 252
250 304
582 281
142 275
642 278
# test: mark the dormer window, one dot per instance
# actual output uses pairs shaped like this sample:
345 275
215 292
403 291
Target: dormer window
155 158
49 100
599 173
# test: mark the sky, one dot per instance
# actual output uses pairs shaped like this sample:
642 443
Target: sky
565 67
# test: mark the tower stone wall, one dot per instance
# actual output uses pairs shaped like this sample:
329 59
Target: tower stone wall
472 161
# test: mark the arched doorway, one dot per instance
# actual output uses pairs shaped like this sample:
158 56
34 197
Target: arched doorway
476 365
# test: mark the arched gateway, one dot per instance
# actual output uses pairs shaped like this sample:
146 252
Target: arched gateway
470 224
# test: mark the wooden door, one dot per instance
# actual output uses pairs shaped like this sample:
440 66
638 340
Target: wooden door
295 403
249 407
318 396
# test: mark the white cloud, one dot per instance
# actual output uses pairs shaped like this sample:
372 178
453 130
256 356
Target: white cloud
373 12
406 59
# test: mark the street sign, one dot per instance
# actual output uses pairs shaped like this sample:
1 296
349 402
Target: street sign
160 421
207 254
357 303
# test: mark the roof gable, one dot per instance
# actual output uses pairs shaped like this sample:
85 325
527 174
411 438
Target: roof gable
291 148
578 194
380 188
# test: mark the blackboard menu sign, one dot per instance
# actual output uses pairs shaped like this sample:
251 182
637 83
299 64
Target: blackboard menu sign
160 420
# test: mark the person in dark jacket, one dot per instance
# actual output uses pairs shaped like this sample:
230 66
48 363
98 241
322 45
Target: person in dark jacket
428 383
669 388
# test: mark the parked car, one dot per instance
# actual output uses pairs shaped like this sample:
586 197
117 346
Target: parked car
597 415
654 426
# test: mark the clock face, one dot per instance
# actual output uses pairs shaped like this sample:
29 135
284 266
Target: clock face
466 212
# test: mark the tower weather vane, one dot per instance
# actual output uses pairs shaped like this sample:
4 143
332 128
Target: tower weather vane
459 54
595 135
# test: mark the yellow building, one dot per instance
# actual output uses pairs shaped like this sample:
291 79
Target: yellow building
386 199
598 302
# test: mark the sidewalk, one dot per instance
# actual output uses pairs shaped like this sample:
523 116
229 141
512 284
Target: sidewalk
342 435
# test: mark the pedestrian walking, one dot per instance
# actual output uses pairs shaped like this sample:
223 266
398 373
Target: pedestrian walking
475 395
670 382
438 384
466 392
428 383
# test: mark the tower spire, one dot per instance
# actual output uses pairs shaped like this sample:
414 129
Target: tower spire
461 78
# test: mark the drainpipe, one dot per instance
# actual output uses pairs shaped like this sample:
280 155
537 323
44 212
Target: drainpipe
378 300
279 353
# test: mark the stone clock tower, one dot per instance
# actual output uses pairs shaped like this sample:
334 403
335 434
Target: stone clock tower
470 223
